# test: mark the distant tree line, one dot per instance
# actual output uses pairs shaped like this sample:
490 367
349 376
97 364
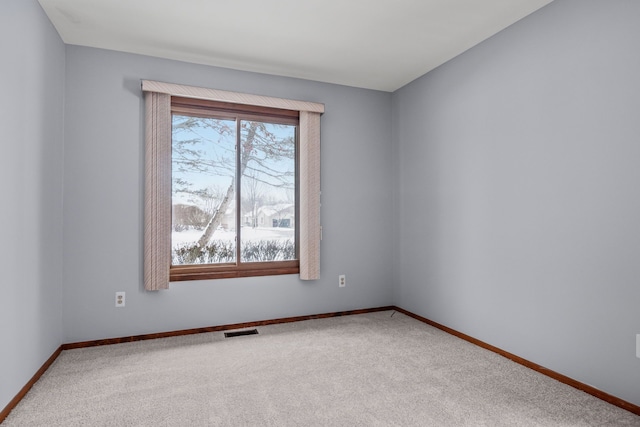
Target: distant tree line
189 217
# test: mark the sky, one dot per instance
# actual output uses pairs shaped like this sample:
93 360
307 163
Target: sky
218 150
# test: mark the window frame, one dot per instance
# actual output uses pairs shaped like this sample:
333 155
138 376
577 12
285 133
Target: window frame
157 187
224 110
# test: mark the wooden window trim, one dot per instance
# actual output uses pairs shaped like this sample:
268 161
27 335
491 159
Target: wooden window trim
180 273
217 108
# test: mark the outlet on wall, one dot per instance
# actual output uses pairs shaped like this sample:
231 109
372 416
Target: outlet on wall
638 346
342 280
119 299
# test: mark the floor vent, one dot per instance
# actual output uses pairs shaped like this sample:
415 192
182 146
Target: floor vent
240 333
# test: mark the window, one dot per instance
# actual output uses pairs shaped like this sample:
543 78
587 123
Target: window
229 165
231 185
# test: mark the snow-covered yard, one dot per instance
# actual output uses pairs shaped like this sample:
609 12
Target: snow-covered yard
179 238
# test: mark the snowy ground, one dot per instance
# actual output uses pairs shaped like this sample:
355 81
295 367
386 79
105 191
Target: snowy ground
248 234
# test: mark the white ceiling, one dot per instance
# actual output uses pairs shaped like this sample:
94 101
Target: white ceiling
374 44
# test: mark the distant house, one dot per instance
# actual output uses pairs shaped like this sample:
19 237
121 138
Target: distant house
192 216
281 215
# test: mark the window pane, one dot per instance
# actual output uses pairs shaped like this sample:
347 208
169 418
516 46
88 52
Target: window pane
203 190
268 197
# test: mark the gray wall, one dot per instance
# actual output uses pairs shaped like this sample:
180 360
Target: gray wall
103 201
519 200
505 181
31 118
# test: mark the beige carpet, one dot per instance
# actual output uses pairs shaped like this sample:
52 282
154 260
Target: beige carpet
377 369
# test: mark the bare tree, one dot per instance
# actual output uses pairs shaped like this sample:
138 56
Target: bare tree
260 149
252 191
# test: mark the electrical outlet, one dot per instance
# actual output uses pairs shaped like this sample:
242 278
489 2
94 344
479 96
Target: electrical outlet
119 299
638 346
342 280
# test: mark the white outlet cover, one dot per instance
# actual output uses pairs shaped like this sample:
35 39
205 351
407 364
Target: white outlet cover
120 299
638 346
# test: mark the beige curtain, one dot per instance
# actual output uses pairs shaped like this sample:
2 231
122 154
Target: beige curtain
309 195
157 191
157 236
